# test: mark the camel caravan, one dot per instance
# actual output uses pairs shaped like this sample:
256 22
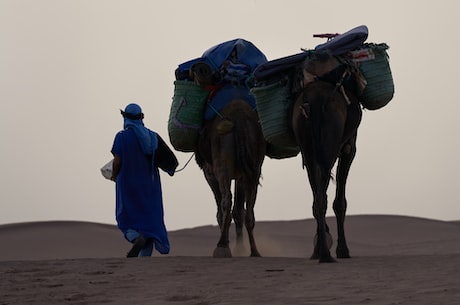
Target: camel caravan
232 107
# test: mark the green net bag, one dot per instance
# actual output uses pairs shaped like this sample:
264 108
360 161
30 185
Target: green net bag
186 115
273 106
379 90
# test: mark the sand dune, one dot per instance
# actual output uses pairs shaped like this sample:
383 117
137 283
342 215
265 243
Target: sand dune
367 235
396 260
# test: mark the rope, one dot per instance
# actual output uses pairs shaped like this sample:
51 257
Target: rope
215 110
186 163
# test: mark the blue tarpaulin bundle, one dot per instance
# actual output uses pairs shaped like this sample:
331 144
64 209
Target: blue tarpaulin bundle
246 52
248 57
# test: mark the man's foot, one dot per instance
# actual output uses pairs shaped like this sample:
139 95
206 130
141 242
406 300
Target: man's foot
138 244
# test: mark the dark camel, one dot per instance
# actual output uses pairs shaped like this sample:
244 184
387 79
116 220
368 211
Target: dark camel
232 147
325 119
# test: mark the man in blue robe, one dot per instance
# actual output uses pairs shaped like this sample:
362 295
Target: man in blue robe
138 153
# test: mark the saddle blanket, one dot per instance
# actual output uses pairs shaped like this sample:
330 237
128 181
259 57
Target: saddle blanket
224 96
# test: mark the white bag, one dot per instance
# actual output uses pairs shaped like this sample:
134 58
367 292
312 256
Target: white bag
106 170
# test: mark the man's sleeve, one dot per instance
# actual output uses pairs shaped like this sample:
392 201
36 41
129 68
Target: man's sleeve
165 158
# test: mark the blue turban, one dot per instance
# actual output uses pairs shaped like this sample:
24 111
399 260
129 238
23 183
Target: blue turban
133 119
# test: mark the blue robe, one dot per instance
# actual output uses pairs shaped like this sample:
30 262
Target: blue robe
139 200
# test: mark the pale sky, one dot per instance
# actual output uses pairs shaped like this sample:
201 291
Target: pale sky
67 67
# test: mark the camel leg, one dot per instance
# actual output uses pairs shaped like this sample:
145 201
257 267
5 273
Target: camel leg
326 148
214 185
319 185
238 212
340 201
347 154
250 219
319 212
327 151
222 249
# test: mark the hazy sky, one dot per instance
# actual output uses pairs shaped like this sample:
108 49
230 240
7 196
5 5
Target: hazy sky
67 67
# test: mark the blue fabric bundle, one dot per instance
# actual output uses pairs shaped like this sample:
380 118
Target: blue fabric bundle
248 57
246 52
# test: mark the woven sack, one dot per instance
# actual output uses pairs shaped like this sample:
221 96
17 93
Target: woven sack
380 87
186 115
273 106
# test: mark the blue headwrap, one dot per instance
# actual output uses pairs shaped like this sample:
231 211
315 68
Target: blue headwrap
133 119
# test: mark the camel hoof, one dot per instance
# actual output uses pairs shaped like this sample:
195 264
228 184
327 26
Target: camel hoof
322 259
221 252
343 253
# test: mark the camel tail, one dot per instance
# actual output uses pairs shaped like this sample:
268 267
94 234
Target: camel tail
245 149
325 137
317 132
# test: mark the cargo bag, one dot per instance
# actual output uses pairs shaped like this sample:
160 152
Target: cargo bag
186 115
274 106
374 65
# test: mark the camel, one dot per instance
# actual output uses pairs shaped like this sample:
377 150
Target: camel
230 147
325 120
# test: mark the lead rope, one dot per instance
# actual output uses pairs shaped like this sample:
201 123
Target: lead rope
339 86
186 163
215 111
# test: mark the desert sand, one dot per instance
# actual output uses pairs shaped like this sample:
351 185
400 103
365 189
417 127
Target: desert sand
395 260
